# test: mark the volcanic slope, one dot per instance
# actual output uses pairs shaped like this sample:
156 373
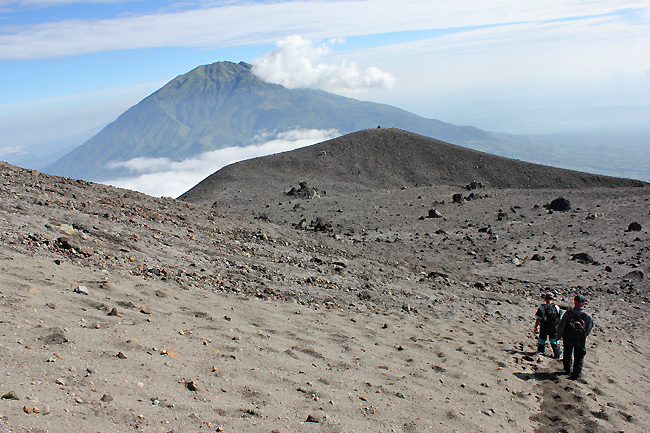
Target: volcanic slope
123 312
464 213
384 158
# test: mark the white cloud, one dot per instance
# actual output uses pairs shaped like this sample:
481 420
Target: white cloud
218 27
11 152
163 177
296 62
49 3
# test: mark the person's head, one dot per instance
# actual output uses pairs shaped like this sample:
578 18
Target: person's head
579 300
548 297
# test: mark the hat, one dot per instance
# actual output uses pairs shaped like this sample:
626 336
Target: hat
580 299
549 296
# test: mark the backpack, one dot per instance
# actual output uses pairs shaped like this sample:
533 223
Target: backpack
576 330
550 314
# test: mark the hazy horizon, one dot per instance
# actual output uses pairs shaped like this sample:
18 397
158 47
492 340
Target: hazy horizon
71 67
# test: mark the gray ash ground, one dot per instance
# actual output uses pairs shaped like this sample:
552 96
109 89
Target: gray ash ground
414 307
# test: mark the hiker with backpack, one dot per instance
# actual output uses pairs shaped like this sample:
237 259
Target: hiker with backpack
573 329
546 320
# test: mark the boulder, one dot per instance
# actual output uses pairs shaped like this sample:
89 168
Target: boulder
583 258
560 204
321 225
304 191
634 227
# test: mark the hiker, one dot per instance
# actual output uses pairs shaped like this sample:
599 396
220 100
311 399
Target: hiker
546 320
573 329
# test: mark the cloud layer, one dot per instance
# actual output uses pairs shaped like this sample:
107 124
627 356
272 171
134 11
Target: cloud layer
163 177
296 62
218 27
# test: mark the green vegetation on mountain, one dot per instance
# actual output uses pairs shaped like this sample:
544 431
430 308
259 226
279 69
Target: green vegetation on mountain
223 105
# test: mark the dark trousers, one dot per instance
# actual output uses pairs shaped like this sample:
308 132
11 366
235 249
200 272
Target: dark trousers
577 350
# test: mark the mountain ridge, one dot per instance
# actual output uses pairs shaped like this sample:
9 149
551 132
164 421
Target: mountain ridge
224 105
382 158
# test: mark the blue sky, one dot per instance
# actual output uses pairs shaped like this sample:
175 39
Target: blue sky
70 67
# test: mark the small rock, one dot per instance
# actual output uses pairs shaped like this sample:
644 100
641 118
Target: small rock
121 355
11 395
634 227
45 410
312 418
191 385
27 409
114 312
106 398
82 290
145 310
583 258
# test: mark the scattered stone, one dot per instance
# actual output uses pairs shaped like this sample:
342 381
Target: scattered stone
106 398
457 198
635 275
56 336
474 185
65 243
82 290
171 353
321 225
634 227
126 304
583 258
538 258
27 409
114 312
312 418
304 191
121 355
434 213
191 385
145 310
11 395
560 204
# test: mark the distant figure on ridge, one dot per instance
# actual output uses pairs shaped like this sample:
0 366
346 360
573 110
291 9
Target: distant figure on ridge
546 320
573 329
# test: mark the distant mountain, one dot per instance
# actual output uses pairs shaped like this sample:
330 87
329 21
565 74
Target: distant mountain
223 105
379 159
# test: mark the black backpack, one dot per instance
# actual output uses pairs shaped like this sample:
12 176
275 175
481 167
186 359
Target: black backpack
576 329
550 314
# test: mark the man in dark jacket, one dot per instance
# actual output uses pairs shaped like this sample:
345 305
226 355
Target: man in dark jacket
573 329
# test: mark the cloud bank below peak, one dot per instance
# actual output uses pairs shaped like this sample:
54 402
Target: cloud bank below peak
162 177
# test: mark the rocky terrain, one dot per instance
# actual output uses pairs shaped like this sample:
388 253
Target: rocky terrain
278 298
